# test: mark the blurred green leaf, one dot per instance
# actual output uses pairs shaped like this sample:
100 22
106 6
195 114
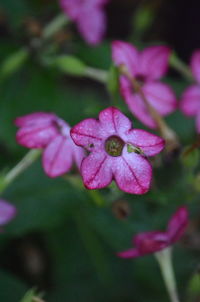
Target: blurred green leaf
70 65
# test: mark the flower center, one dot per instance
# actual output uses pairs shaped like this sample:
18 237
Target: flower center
140 79
114 145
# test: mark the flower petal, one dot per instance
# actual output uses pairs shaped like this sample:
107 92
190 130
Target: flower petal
136 104
124 53
7 212
39 118
197 122
92 24
150 144
96 170
113 121
161 97
195 65
86 134
132 173
151 242
71 8
78 154
154 61
57 157
177 224
190 102
131 253
37 136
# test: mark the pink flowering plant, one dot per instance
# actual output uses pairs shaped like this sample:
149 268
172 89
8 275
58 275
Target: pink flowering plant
97 148
190 100
46 131
146 68
155 241
116 152
89 17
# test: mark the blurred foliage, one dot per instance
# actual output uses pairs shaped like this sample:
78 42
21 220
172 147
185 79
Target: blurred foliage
61 241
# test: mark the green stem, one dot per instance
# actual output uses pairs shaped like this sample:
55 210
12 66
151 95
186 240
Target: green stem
165 262
54 26
181 67
96 74
28 159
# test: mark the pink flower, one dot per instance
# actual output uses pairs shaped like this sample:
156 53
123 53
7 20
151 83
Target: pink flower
146 67
47 131
190 103
7 212
89 17
116 152
154 241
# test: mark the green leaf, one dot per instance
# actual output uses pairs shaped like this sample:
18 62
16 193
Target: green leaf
70 65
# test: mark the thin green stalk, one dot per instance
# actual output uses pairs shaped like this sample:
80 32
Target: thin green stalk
181 67
97 74
26 161
54 26
165 262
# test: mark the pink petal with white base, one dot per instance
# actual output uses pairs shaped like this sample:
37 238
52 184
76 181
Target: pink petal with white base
96 170
177 224
195 65
161 97
125 54
86 134
92 25
57 157
149 143
151 242
154 61
190 102
112 121
132 173
7 212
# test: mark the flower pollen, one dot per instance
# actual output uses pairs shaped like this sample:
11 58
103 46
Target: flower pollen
114 145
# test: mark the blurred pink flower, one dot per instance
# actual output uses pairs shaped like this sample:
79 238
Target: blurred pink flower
154 241
89 17
147 67
47 131
116 152
7 212
190 102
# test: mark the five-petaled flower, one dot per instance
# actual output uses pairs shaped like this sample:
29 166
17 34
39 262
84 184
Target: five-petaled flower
89 17
7 212
47 131
146 68
116 152
154 241
190 103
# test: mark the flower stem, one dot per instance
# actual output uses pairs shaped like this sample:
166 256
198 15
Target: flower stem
165 262
172 142
54 26
96 74
28 159
181 67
